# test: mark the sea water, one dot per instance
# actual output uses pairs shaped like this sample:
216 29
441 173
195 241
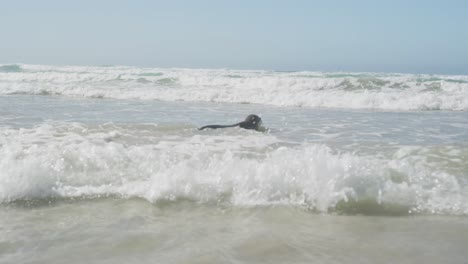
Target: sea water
106 165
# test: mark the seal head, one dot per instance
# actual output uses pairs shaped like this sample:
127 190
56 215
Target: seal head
251 122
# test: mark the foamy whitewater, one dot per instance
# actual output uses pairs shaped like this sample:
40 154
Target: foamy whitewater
106 165
303 89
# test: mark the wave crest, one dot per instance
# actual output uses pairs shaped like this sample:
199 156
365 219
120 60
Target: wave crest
10 68
302 89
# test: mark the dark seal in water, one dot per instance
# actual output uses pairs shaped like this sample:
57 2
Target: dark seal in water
251 122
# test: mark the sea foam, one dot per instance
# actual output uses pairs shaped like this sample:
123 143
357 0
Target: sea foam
72 160
302 89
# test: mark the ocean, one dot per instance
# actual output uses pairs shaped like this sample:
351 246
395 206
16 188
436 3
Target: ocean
106 165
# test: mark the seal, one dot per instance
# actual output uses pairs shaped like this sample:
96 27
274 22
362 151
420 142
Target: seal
251 122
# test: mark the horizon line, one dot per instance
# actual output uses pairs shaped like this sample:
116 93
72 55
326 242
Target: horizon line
234 68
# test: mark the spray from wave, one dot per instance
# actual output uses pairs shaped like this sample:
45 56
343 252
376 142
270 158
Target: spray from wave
74 160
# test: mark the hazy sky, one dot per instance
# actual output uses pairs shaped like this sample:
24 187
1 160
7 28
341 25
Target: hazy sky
391 36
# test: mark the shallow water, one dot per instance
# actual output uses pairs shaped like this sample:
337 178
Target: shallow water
135 231
104 180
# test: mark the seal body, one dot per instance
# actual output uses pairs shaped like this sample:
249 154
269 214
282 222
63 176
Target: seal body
251 122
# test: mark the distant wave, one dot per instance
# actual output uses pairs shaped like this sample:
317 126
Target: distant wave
10 68
299 89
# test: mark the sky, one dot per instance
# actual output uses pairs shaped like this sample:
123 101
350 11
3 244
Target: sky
359 35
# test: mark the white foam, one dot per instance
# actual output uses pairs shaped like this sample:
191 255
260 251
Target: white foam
71 160
304 89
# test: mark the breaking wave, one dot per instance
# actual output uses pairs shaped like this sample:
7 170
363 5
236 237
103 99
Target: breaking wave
69 160
300 89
